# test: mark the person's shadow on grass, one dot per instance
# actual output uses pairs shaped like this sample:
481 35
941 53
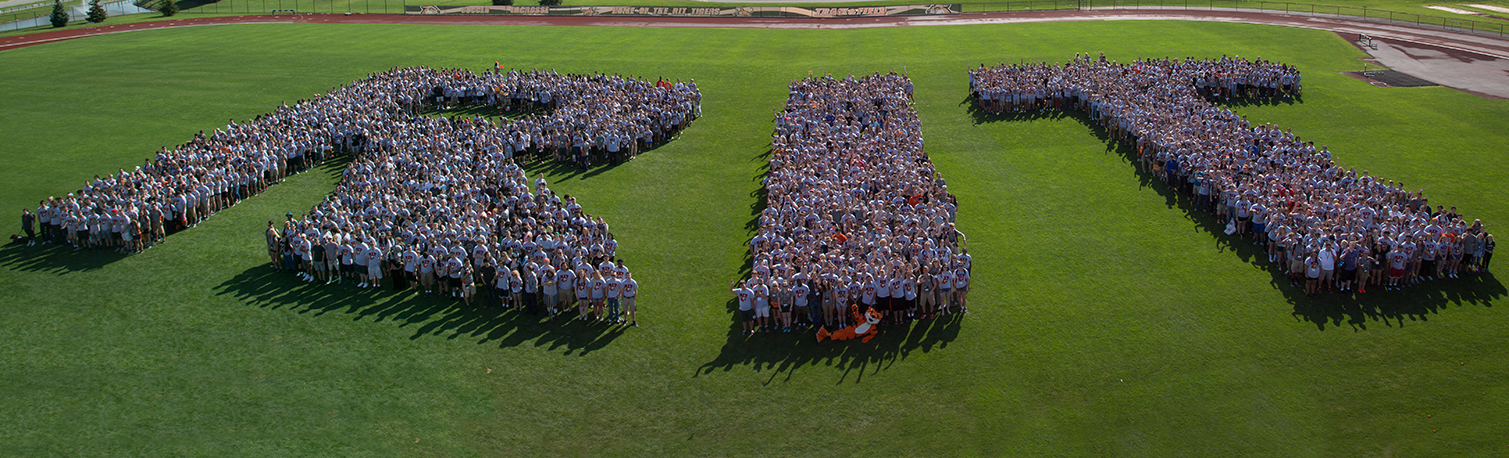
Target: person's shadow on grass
426 315
784 353
55 258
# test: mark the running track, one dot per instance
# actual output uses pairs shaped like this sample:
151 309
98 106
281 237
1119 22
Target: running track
1492 47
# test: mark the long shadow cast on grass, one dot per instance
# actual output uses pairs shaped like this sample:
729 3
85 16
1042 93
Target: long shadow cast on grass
787 352
54 258
426 315
1356 310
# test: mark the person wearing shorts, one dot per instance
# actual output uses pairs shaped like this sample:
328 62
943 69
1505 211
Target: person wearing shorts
761 306
926 298
583 291
565 285
1312 275
800 292
745 297
427 266
456 269
882 302
318 254
781 303
961 288
375 258
945 290
630 291
501 286
900 312
1396 261
599 293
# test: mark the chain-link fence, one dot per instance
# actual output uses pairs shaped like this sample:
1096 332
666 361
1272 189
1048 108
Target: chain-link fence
1463 25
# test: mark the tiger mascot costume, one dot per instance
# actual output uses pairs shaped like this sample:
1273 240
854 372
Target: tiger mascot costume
865 329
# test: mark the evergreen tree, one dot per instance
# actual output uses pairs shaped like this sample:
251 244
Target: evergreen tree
59 16
96 12
169 8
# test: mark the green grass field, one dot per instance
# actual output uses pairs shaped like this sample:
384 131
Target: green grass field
1106 320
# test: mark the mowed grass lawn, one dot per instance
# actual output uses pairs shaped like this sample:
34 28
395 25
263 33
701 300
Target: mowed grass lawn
1106 319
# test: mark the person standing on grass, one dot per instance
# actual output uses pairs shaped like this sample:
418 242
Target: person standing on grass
317 254
1349 256
516 288
799 297
630 292
1487 252
1397 259
1327 257
273 242
468 284
427 267
745 294
375 258
909 292
961 287
500 286
611 291
945 280
900 311
531 288
29 226
1312 274
762 305
926 298
549 289
599 293
565 285
410 265
583 290
1472 245
359 261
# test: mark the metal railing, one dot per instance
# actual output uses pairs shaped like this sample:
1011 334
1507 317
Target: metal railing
1462 25
225 7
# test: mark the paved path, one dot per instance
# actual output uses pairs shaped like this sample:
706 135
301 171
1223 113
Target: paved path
1432 48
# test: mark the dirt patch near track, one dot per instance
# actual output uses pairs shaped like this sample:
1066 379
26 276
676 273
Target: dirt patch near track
1472 63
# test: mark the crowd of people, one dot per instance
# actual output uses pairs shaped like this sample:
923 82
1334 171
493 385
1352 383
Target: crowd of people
584 119
856 217
1330 226
444 199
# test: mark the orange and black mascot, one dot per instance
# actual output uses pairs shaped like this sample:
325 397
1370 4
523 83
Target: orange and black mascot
866 327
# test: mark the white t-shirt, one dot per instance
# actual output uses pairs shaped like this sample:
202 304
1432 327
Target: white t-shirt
630 288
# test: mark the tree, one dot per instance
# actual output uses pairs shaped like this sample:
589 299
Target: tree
97 13
59 16
169 8
550 2
502 2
